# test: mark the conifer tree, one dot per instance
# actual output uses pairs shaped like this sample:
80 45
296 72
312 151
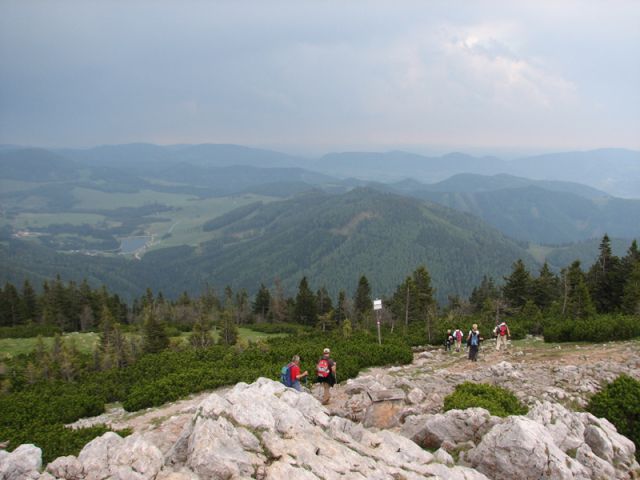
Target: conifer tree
517 287
29 303
342 310
362 302
486 290
154 335
424 300
347 330
577 300
200 337
545 288
11 306
326 321
306 309
278 305
262 302
325 305
106 328
604 282
228 328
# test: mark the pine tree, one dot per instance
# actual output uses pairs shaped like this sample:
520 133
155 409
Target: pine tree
362 302
325 305
262 302
242 307
154 335
424 300
306 309
604 282
326 321
545 288
487 290
347 330
11 306
577 300
342 310
228 328
200 337
278 304
106 328
29 303
517 287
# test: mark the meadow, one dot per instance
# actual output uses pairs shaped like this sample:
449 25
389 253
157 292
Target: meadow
86 342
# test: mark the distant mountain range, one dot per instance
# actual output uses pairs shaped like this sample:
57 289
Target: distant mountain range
225 214
539 211
615 171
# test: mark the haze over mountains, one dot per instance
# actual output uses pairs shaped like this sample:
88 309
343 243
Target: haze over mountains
227 214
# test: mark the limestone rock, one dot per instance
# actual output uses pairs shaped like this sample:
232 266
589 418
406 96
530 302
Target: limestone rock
415 396
68 468
455 426
521 448
22 464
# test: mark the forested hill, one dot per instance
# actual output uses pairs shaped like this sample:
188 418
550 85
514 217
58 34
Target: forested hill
533 210
332 239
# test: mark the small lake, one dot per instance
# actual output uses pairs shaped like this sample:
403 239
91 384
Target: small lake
131 244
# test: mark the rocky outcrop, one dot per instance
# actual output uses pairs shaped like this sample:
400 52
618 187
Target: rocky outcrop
385 424
264 431
22 464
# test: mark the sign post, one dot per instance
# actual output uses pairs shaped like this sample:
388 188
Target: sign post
377 306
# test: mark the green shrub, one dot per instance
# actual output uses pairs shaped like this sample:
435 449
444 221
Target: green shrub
619 402
29 331
499 401
290 328
599 328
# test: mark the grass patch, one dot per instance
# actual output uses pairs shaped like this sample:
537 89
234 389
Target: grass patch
85 342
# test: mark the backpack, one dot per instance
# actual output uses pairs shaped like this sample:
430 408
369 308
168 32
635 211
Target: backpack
323 368
285 375
457 335
503 330
474 339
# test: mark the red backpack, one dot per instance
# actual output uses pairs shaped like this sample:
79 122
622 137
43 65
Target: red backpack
503 330
323 368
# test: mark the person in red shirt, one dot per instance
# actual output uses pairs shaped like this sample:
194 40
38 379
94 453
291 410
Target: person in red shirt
295 373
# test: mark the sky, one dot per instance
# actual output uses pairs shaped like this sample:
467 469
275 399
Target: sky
317 76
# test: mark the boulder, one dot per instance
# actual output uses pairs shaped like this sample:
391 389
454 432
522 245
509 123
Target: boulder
522 448
68 468
22 464
215 451
454 426
566 428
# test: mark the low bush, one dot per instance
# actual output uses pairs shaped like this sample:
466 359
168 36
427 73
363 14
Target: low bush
499 401
619 402
37 413
29 331
290 328
599 328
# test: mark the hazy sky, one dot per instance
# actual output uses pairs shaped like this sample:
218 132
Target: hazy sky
311 76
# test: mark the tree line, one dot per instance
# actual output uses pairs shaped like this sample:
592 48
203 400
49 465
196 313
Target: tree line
610 286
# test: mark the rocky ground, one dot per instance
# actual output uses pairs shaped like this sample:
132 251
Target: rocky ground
376 424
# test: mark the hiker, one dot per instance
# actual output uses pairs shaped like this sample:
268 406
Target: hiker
295 373
473 341
326 371
457 338
502 333
448 341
